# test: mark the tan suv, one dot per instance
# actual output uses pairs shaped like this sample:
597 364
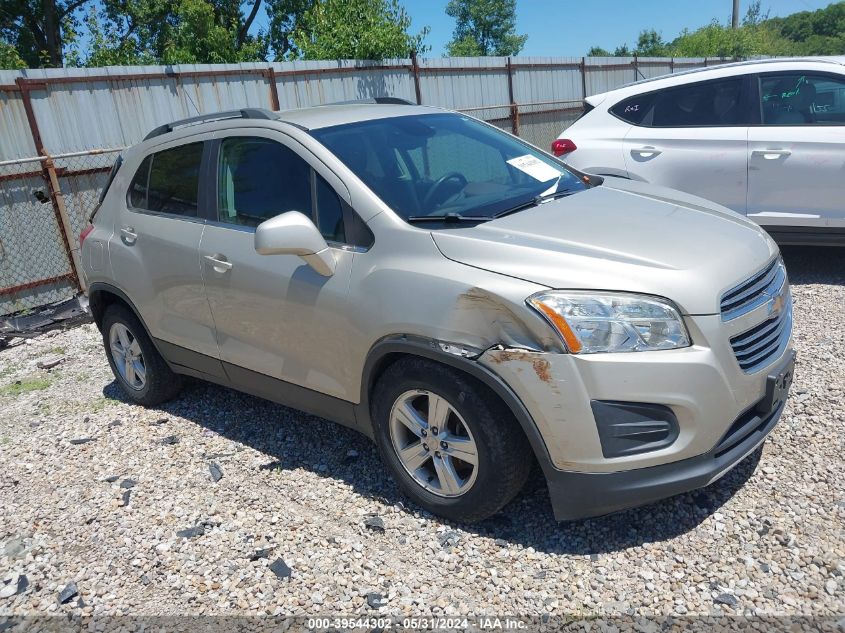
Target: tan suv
460 296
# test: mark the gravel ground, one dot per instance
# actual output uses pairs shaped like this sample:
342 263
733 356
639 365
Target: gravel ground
189 508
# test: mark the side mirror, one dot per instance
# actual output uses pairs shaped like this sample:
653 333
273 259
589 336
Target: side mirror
293 233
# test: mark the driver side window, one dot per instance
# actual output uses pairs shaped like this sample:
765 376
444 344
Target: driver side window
258 179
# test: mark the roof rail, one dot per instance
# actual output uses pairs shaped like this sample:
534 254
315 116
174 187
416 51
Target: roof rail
379 100
245 113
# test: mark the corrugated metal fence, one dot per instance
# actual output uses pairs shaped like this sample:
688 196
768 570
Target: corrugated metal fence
55 124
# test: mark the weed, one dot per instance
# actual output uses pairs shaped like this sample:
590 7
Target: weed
25 385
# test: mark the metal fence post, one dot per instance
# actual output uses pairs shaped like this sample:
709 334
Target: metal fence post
514 107
415 69
48 170
583 77
274 90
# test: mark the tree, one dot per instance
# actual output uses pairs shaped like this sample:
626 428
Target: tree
820 32
39 29
171 32
484 27
598 51
650 44
356 29
9 58
285 17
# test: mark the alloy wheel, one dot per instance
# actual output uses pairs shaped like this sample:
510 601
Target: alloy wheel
127 356
433 443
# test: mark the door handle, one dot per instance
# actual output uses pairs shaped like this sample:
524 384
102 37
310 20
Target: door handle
128 235
219 263
646 152
771 154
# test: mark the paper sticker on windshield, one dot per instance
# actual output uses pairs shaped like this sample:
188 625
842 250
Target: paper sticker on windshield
535 168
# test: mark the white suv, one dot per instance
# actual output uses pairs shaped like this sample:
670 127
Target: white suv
765 138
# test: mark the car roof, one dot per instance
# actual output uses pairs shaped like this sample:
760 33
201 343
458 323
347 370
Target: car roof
304 119
341 113
715 72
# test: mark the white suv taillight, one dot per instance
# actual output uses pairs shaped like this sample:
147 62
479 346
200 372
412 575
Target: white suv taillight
561 146
85 233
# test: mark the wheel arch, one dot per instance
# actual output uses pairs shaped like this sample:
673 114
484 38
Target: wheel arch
388 350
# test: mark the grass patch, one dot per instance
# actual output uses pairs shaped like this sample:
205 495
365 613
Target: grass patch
96 405
58 351
24 386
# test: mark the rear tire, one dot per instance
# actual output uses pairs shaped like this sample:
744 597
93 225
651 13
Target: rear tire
139 369
410 398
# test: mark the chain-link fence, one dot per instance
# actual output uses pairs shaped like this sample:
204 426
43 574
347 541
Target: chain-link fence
538 123
541 123
44 203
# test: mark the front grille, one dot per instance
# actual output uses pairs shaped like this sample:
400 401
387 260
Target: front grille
747 425
754 348
754 292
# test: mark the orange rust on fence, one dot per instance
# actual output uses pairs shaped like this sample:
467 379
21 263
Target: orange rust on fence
34 284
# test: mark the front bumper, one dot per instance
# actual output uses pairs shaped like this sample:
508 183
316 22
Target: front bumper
579 495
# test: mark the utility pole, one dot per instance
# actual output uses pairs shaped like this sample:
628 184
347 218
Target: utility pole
735 16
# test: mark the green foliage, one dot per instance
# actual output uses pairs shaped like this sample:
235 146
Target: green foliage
650 44
285 17
202 35
31 383
484 27
9 58
356 29
38 30
820 32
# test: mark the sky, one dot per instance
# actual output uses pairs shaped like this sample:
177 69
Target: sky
568 28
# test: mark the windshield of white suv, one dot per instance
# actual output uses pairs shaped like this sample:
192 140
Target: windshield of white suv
447 167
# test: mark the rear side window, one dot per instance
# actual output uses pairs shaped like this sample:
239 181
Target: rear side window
703 104
168 181
259 179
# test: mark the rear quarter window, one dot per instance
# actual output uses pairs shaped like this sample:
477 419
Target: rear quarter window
633 109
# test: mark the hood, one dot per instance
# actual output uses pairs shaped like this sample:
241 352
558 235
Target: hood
621 235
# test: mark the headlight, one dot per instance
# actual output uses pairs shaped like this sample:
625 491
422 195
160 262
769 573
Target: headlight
590 322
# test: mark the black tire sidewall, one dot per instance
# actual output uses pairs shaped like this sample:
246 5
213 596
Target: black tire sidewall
161 383
485 421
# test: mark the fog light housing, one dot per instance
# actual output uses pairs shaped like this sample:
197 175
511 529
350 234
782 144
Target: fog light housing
630 428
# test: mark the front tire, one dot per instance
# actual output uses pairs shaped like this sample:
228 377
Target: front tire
136 364
451 444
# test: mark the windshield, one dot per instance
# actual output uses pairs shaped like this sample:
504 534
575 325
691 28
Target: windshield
440 165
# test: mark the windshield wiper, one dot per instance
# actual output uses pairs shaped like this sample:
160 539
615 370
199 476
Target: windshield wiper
535 201
448 217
